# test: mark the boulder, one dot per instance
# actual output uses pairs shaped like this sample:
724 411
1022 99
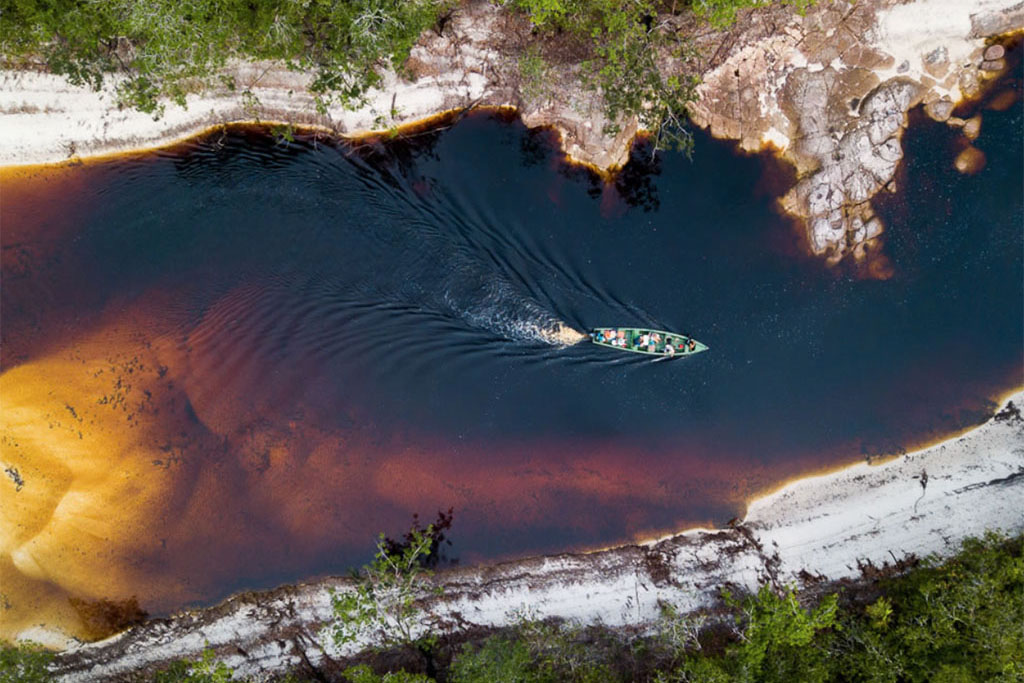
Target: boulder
972 128
940 110
969 84
970 161
994 52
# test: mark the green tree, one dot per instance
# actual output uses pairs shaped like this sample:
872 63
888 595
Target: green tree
364 674
497 659
170 48
535 651
626 42
24 663
382 608
207 669
960 619
721 14
779 640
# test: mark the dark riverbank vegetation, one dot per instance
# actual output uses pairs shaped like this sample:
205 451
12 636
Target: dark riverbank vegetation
633 51
923 620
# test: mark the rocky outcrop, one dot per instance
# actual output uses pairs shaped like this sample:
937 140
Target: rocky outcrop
835 198
815 530
830 91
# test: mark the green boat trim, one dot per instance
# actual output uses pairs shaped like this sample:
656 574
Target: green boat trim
658 342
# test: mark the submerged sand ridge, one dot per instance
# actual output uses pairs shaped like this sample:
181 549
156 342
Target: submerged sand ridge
829 90
814 530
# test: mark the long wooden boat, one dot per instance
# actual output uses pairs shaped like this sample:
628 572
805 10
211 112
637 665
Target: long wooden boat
643 340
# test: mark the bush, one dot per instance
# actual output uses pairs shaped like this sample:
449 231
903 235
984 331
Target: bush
722 14
625 42
959 620
24 663
364 674
207 669
497 659
169 48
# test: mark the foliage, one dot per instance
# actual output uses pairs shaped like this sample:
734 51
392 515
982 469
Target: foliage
637 60
782 641
24 663
533 71
960 620
678 632
722 13
537 652
625 41
364 674
437 535
169 48
954 621
207 669
382 608
497 659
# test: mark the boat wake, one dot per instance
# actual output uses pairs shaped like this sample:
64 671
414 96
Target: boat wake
502 311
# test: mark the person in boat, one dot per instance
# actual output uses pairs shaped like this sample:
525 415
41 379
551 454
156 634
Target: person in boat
693 345
669 349
609 336
642 339
620 339
652 342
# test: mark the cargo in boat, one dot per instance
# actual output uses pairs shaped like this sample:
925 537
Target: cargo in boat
642 340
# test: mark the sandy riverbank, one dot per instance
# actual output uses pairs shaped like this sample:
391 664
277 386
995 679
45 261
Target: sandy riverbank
823 528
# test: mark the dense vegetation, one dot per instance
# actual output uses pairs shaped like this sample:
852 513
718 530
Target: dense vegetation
169 48
166 49
623 42
955 621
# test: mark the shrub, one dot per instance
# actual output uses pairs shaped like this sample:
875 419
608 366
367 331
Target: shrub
169 48
24 663
625 43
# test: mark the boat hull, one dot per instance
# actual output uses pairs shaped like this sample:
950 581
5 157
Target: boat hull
646 341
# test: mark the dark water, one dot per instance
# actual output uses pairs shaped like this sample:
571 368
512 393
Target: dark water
356 333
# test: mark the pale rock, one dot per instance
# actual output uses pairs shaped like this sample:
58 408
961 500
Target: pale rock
890 151
873 228
936 62
994 52
972 127
970 86
939 110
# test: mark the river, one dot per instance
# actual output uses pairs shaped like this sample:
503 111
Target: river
230 363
